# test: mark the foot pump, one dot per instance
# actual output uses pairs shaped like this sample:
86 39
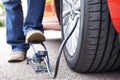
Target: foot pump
40 60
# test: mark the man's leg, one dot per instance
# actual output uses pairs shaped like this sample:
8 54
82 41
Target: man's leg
33 27
14 23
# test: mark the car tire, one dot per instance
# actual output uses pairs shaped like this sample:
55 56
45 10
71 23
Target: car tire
94 45
57 7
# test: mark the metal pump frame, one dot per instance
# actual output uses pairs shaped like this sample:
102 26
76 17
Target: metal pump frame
39 57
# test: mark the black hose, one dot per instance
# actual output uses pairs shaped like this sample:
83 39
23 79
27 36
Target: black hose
61 48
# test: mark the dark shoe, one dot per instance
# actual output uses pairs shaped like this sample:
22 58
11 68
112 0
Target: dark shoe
17 56
34 36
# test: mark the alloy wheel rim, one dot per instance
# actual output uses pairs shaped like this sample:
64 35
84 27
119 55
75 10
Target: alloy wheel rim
71 17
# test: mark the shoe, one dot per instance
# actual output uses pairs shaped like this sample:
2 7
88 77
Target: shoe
17 56
34 36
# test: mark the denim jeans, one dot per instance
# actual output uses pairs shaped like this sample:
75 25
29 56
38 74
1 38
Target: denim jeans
17 26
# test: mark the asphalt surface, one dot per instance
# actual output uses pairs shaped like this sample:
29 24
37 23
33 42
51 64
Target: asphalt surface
22 71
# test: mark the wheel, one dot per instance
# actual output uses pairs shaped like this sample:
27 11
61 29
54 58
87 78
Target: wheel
94 45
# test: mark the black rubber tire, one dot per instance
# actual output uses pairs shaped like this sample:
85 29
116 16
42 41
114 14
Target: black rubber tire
99 49
57 6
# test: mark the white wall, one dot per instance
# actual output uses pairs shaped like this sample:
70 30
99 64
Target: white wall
24 4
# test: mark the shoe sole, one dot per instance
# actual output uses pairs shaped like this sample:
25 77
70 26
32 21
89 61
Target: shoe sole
16 59
35 37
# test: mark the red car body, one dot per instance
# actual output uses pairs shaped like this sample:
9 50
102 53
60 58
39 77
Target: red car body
114 8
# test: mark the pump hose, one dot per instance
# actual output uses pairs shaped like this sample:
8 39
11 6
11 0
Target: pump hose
61 48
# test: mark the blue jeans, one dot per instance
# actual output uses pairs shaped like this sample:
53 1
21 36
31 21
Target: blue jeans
17 26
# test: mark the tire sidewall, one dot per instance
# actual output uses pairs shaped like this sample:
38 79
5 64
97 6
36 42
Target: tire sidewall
57 7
